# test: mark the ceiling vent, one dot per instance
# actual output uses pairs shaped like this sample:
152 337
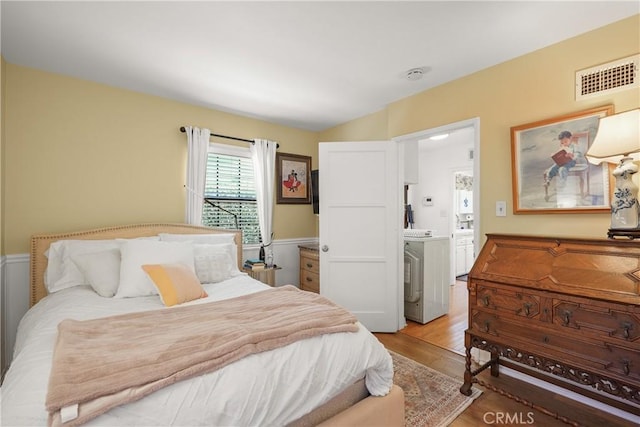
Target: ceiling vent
608 78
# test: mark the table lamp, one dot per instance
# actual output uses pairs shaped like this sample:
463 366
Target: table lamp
618 141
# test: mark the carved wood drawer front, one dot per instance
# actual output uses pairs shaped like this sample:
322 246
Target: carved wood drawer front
484 323
606 322
625 362
570 349
508 301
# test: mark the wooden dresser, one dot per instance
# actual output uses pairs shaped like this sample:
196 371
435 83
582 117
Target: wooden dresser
564 310
309 268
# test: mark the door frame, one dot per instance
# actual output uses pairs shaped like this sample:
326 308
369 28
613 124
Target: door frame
474 123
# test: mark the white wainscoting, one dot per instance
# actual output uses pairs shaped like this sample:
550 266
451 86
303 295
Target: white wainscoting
15 300
14 285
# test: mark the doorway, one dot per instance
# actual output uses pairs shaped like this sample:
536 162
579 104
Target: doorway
433 202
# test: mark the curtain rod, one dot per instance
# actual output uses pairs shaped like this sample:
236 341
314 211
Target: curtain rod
183 130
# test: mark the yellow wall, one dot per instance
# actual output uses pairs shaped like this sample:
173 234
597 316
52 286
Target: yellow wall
78 154
372 127
83 155
533 87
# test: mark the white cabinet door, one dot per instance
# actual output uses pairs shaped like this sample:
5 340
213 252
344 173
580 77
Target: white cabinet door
360 230
461 260
470 256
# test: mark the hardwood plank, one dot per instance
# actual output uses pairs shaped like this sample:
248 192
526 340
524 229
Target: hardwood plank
446 331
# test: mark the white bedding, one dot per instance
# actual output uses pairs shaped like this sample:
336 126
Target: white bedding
266 389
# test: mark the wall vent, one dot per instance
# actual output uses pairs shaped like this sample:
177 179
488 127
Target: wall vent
614 76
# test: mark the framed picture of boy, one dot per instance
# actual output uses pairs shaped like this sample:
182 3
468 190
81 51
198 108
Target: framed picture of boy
550 172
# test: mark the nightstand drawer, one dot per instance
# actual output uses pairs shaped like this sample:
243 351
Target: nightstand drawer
310 281
309 269
310 264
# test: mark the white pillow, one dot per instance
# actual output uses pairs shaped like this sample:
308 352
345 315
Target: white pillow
213 239
62 272
198 238
53 270
136 253
101 270
214 263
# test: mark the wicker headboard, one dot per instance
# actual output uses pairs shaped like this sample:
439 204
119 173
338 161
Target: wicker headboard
40 243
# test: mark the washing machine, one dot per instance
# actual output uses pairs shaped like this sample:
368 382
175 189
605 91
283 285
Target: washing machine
426 277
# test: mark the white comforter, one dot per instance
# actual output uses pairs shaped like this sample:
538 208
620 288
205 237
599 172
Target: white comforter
266 389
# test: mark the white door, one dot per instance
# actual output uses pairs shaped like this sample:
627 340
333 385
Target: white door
360 237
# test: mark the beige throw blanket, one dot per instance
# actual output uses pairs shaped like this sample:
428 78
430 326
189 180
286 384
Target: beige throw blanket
102 363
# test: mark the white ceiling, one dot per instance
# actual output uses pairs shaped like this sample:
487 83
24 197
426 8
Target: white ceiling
309 65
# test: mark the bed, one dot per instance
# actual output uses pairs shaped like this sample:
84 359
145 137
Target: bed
339 378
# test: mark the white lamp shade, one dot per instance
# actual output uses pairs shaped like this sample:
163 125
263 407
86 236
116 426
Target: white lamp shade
618 136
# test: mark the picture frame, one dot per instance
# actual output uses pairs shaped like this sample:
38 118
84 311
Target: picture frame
542 185
293 179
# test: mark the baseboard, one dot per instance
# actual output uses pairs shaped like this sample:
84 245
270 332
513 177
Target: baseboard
569 394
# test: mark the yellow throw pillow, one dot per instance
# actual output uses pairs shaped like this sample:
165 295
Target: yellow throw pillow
176 283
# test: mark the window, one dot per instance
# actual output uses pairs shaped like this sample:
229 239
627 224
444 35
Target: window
229 191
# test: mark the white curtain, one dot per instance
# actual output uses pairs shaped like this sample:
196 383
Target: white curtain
197 147
263 154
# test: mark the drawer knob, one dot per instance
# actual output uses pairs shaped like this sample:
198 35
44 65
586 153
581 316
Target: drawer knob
527 308
309 279
487 325
309 265
625 367
485 300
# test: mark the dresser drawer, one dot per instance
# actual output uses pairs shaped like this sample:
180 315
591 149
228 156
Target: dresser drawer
309 281
508 301
572 349
610 322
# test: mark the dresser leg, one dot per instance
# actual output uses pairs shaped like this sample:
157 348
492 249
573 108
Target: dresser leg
468 376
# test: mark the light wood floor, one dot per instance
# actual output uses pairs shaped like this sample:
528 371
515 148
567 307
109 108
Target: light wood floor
446 331
440 345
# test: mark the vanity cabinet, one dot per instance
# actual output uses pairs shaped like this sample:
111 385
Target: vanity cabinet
564 310
465 251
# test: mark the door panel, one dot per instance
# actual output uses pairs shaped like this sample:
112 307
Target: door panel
360 221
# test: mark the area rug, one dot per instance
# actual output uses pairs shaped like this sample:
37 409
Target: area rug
431 398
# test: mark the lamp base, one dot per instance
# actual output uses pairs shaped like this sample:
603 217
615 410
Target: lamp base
617 233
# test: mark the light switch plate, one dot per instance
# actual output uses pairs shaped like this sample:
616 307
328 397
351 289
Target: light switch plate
501 208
